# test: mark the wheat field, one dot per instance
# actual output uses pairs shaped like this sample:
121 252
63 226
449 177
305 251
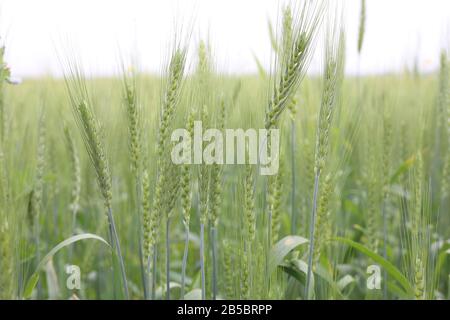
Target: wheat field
92 207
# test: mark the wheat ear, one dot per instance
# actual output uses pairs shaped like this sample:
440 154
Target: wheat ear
295 60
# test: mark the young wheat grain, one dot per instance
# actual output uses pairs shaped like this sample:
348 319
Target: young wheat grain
297 58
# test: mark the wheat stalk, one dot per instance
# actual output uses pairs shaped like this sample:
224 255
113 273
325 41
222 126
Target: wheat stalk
90 133
165 194
334 59
214 200
133 114
203 77
204 184
417 233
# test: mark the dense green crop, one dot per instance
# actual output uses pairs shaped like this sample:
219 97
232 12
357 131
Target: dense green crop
362 186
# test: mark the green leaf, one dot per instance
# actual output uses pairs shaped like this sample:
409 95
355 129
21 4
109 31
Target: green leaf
66 243
397 290
282 248
389 267
443 250
298 269
345 281
324 274
33 280
31 284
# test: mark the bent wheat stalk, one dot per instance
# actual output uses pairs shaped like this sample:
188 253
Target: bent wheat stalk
90 132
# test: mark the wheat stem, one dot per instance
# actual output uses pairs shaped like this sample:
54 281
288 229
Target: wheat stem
185 256
311 234
115 238
202 260
168 258
214 261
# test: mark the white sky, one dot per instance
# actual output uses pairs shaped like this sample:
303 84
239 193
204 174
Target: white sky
396 32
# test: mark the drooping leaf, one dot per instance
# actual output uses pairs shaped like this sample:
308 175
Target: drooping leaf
298 269
66 243
31 284
282 248
33 280
345 281
324 274
442 249
389 267
392 287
